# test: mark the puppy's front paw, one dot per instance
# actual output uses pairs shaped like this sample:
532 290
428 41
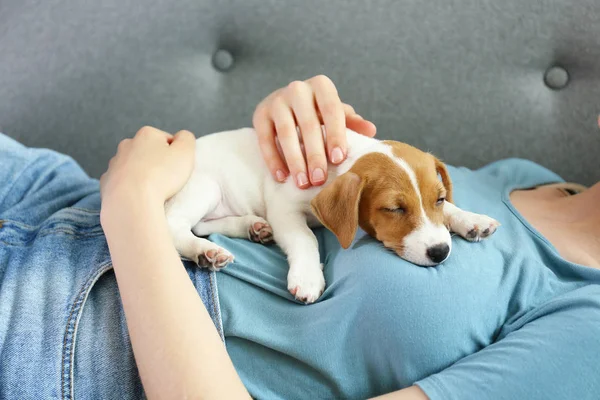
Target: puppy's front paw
260 231
306 283
474 227
215 258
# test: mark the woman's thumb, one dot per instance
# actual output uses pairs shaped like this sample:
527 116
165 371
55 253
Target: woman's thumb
184 142
360 125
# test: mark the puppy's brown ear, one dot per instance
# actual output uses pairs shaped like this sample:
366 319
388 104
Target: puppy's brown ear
336 207
441 169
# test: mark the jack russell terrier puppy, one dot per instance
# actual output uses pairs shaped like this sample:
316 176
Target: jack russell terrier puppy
390 189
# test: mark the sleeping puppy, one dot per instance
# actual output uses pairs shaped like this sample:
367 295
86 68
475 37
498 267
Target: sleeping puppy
390 189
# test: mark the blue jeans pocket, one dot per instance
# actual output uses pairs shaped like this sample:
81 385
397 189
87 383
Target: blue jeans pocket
63 332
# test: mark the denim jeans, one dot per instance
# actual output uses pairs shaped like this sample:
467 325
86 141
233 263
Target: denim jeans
63 333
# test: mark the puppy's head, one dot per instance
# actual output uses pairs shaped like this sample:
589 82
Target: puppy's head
395 197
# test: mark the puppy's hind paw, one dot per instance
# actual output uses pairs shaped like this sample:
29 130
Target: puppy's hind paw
215 258
260 232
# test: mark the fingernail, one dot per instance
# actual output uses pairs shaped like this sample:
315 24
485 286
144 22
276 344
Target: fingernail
301 179
358 116
337 155
318 175
280 175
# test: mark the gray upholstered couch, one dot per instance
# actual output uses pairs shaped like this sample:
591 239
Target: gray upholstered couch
470 80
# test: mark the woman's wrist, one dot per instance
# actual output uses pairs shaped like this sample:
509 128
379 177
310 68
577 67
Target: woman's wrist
128 208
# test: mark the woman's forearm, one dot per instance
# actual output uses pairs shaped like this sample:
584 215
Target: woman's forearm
410 393
176 345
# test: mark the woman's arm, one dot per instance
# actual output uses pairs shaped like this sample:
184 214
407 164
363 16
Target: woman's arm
410 393
177 349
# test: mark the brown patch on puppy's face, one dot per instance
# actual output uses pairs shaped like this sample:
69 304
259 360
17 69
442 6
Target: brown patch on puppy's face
426 168
398 200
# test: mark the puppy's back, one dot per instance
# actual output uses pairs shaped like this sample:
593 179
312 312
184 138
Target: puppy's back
233 159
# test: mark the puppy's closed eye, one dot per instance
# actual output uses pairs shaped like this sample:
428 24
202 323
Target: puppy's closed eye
395 210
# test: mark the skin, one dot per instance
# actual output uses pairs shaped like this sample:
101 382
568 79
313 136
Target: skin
570 223
306 105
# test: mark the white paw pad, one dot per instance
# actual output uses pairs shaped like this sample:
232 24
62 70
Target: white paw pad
474 227
215 258
260 232
306 284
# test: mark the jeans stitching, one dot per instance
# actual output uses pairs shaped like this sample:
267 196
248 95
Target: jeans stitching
49 233
85 210
58 219
27 227
93 233
216 307
68 354
70 335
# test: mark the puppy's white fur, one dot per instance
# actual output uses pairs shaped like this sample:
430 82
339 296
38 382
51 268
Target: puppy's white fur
231 192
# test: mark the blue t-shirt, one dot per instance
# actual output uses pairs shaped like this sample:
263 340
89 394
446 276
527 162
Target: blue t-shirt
506 318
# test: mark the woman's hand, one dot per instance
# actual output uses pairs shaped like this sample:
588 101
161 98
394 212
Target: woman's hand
306 105
149 169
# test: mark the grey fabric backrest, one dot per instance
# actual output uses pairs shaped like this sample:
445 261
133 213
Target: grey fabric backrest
470 80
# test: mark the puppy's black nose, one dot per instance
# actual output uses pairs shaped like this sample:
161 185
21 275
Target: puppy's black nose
438 253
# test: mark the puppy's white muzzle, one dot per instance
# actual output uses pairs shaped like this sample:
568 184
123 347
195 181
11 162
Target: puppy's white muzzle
428 245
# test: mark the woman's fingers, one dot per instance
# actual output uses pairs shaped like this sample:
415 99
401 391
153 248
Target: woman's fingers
183 142
359 125
182 148
332 114
301 98
305 107
285 125
149 132
348 110
267 140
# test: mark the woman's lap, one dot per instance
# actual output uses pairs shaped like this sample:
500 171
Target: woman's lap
62 330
